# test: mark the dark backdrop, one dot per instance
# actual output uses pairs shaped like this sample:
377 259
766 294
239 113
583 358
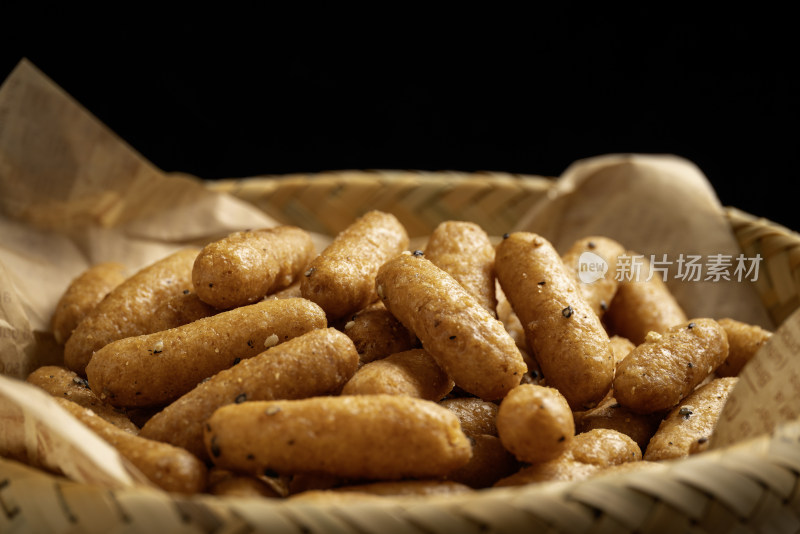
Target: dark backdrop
264 92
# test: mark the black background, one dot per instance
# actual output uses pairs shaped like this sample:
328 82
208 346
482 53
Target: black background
261 91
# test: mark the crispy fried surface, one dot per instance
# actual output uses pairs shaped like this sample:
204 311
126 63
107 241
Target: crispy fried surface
564 333
467 341
535 423
465 251
381 437
657 374
413 372
342 278
82 295
155 369
128 308
244 267
171 468
744 340
316 363
687 428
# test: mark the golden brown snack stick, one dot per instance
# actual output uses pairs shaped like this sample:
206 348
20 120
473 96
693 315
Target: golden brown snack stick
744 340
585 259
588 454
642 305
566 337
469 343
604 447
687 428
535 423
660 372
318 362
611 414
180 310
377 437
244 267
342 278
128 308
412 372
477 416
464 250
620 347
61 382
155 369
490 462
81 296
377 333
171 468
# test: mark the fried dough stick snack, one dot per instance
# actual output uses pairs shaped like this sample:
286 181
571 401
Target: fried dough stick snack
744 340
156 369
566 337
659 373
585 252
377 333
465 251
82 295
370 437
171 468
413 372
588 454
316 363
642 305
61 382
687 428
470 344
244 267
342 278
535 423
128 308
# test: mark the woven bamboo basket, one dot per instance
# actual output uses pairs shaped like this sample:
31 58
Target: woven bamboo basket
753 486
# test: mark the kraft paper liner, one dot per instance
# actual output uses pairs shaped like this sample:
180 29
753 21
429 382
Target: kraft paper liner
72 194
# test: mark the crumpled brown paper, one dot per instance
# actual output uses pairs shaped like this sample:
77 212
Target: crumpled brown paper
72 193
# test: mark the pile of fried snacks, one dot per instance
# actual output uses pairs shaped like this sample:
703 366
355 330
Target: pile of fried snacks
260 366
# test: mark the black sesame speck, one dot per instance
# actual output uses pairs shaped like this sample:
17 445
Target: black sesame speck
542 283
418 253
186 291
567 312
506 235
702 440
451 337
562 438
236 360
241 398
690 326
591 244
685 412
81 381
211 284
